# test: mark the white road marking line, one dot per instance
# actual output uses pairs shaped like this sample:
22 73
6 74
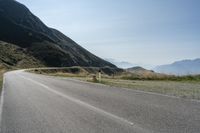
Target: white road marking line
129 89
86 104
2 101
77 101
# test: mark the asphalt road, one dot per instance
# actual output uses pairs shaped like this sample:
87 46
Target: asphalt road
33 103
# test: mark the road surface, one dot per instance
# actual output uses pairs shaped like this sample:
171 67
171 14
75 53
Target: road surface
33 103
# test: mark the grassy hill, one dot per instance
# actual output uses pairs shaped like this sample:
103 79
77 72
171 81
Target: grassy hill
139 73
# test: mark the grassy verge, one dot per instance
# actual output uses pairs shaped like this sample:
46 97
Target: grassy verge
1 80
2 71
190 90
180 88
184 87
150 75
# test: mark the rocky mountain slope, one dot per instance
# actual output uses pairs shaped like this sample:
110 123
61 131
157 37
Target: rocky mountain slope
48 46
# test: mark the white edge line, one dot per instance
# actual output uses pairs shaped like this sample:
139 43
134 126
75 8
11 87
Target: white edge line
75 100
91 107
137 91
129 89
134 90
2 101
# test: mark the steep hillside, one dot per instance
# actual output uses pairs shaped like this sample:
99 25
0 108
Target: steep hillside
12 56
184 67
137 69
20 27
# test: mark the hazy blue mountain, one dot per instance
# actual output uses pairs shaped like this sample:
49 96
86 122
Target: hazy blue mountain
20 27
120 64
184 67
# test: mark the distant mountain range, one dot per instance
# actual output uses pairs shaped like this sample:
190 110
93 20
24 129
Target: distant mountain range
120 64
126 64
24 31
184 67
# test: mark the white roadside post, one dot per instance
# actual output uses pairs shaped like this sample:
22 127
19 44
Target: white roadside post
99 75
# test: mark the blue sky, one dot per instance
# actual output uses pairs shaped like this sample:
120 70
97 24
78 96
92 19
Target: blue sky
145 32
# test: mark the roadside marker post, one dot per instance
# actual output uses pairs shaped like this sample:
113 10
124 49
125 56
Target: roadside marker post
99 75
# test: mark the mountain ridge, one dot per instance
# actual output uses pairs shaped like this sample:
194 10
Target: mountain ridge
22 28
183 67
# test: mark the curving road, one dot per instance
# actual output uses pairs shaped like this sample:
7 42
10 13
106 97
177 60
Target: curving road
33 103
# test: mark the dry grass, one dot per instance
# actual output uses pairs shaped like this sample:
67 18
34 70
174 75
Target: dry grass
77 71
17 57
190 90
148 75
184 87
2 70
1 81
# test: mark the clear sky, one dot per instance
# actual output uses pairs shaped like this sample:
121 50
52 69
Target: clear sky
149 32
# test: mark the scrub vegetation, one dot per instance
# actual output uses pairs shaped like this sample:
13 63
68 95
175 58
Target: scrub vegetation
2 70
12 57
